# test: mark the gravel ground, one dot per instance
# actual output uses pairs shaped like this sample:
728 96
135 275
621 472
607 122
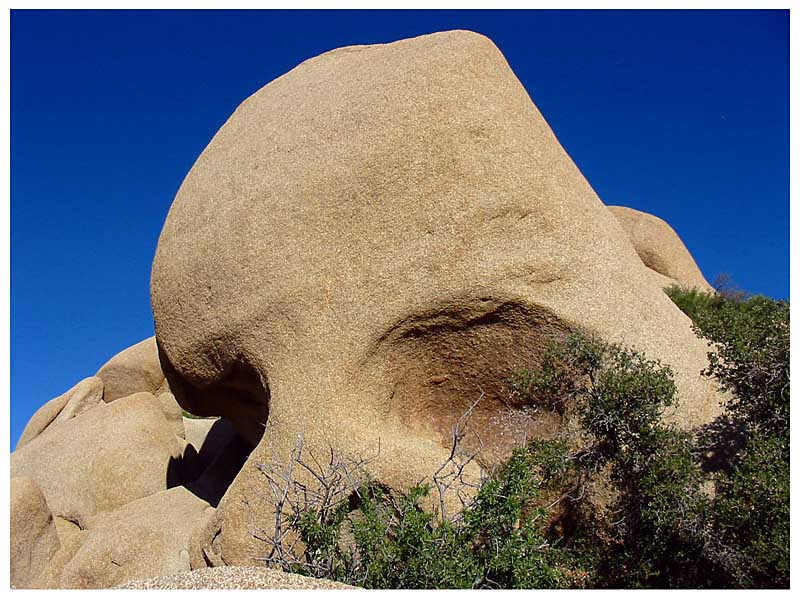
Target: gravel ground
233 578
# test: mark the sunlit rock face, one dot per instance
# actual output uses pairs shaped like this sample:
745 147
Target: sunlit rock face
107 491
660 248
372 242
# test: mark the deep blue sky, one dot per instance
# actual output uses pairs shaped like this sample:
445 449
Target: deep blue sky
682 114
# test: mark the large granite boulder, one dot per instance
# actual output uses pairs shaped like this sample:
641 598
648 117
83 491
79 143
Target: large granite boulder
372 242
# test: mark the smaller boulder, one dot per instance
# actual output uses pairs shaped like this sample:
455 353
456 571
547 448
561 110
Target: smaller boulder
77 400
34 539
145 538
135 369
103 458
660 248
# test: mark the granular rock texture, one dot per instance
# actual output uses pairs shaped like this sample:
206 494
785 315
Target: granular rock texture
83 396
145 538
33 537
135 369
660 248
103 458
234 578
374 241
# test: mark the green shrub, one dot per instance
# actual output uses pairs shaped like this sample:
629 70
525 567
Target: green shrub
498 541
749 517
654 533
691 301
645 509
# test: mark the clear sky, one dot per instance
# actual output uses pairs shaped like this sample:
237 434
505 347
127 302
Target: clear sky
684 114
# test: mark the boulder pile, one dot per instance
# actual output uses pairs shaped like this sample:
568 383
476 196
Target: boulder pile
109 487
366 249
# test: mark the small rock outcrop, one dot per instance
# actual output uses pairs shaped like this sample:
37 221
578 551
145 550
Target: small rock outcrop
77 400
104 493
102 459
135 369
660 248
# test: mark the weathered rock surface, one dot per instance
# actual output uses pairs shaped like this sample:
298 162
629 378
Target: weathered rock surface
135 369
83 396
106 469
33 536
375 240
234 578
145 538
660 248
173 413
103 458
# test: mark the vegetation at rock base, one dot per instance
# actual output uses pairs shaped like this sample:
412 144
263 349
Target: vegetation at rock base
749 516
629 501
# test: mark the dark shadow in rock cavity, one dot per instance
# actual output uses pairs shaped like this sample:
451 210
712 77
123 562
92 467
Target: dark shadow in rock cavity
209 472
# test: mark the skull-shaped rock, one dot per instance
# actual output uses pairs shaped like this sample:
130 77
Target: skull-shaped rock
374 241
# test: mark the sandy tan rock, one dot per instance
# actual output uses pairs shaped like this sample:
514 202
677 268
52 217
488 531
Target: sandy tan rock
660 248
86 395
42 418
371 242
71 537
135 369
145 538
196 430
173 413
80 398
104 458
33 536
235 578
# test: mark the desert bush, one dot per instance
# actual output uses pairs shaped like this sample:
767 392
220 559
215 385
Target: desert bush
749 517
498 541
642 507
376 538
692 301
750 356
654 529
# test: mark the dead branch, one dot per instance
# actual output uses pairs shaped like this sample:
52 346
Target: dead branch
321 488
449 477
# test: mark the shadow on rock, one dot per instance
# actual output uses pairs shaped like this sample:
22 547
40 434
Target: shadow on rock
719 441
209 472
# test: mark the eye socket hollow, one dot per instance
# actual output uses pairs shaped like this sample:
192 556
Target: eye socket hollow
440 363
241 395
